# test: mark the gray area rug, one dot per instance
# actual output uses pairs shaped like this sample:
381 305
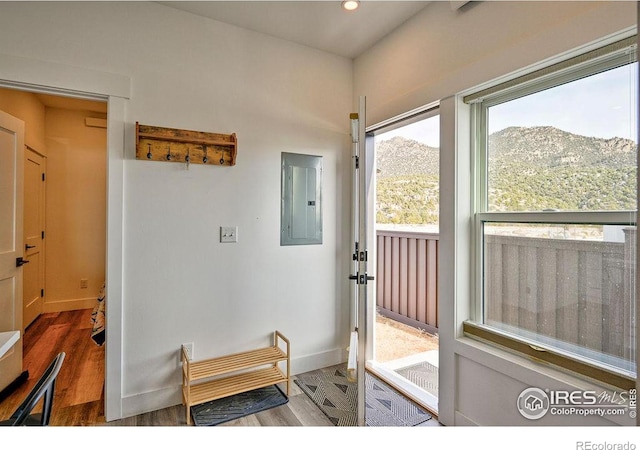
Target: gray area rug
337 398
423 374
229 408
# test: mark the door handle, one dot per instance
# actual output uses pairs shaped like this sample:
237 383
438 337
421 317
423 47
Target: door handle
20 261
27 246
361 279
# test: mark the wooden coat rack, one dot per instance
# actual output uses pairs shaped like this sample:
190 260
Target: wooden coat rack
185 146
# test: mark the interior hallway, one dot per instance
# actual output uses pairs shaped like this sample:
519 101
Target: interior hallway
79 393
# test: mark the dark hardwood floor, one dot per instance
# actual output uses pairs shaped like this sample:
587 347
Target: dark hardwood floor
79 395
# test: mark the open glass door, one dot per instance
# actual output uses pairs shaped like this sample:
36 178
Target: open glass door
361 289
381 401
406 229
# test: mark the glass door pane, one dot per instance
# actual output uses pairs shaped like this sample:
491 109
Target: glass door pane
405 334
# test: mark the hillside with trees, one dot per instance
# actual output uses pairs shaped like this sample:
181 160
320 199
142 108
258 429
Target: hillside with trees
530 169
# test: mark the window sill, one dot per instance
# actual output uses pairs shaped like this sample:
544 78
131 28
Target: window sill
547 360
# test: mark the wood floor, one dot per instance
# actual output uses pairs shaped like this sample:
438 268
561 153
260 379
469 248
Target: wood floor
79 399
79 391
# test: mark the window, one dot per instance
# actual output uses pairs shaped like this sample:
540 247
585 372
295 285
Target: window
555 213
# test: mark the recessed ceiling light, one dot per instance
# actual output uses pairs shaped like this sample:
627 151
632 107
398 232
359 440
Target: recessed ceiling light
350 5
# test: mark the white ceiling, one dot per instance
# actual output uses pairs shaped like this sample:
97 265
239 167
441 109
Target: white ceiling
322 25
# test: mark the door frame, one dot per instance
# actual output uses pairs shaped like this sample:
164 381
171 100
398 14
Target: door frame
362 236
426 400
44 77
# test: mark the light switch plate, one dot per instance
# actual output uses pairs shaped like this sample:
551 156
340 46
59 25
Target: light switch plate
228 234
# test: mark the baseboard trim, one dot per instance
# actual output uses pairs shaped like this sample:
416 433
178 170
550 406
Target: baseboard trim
317 361
170 396
69 305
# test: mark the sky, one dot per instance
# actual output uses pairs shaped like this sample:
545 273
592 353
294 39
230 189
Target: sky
602 105
426 131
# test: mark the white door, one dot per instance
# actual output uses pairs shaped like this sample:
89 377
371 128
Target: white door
362 291
11 240
33 274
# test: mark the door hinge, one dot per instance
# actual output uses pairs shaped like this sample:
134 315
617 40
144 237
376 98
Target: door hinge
43 177
41 292
357 162
42 235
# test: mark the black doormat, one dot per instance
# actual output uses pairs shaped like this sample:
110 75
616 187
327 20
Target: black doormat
230 408
336 396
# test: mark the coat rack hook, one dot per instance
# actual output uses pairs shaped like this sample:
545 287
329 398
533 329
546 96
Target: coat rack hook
185 146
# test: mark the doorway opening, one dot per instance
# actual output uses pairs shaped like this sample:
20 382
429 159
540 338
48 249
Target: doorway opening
405 336
63 284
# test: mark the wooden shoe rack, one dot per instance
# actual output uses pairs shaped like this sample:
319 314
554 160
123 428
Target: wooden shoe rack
211 379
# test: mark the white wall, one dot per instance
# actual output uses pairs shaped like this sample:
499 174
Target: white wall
181 284
440 52
433 57
75 209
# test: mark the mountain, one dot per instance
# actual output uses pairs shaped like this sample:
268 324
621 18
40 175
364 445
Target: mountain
538 168
407 187
551 147
530 169
401 156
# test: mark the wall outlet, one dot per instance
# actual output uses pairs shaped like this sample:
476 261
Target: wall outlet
84 283
189 348
228 234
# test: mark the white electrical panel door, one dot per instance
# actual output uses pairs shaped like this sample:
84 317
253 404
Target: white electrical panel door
301 205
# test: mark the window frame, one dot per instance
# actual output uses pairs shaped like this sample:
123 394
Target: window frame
596 61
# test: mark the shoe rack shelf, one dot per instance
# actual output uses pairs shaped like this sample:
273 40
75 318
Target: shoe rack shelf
211 379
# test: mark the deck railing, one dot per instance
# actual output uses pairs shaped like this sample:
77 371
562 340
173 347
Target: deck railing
580 292
407 277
